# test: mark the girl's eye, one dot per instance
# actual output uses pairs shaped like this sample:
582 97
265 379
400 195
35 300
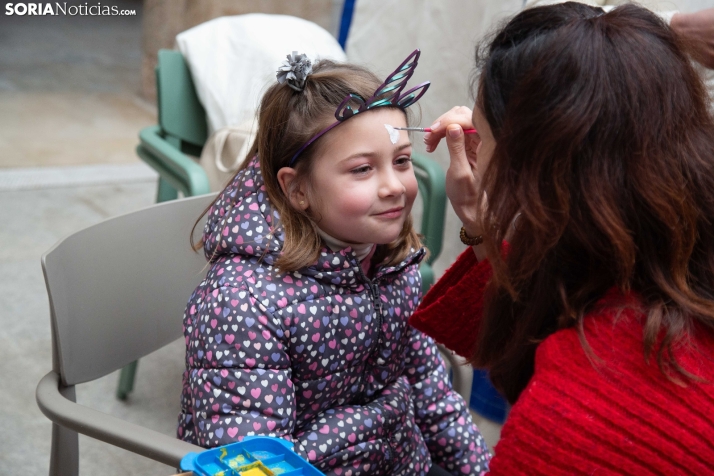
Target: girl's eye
361 170
405 160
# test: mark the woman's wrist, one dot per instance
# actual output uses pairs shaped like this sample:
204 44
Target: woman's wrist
469 238
480 252
473 237
472 229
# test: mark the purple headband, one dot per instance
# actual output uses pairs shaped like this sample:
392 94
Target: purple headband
392 87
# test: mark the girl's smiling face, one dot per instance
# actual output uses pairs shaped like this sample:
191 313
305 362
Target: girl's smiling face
362 186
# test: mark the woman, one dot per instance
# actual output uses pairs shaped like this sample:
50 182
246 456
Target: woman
596 319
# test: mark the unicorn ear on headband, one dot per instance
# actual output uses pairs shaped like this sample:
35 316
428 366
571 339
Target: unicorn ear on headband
388 94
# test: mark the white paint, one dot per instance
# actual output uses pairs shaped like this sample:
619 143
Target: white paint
393 133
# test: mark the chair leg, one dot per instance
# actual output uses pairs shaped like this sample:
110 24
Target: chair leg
126 380
166 192
64 453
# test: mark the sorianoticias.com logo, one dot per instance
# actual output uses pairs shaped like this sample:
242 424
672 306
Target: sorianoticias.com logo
61 8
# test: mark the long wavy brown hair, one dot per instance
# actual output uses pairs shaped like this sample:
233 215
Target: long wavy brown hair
287 119
604 164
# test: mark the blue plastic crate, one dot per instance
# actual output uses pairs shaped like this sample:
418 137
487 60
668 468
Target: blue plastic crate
254 456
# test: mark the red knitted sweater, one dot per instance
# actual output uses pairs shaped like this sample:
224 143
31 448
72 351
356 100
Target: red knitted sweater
619 416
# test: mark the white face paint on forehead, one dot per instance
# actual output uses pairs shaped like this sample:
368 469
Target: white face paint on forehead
393 133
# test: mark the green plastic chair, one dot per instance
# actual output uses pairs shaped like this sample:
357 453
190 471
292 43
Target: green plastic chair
182 130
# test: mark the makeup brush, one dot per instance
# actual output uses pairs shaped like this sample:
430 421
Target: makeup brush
426 129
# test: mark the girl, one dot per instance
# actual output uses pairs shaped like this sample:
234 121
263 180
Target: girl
299 329
596 163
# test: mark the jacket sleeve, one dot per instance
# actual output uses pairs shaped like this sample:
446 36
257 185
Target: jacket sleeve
451 311
241 384
441 413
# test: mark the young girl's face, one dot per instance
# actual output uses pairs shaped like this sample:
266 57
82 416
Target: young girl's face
362 185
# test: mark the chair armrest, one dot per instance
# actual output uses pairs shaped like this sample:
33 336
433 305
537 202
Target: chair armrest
103 427
172 165
462 373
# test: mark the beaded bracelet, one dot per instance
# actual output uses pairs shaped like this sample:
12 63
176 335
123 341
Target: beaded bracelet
468 240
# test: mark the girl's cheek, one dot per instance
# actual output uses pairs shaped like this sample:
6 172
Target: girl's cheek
412 189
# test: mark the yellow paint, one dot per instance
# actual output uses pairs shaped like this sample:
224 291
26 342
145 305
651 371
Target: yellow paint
256 469
224 453
253 472
234 463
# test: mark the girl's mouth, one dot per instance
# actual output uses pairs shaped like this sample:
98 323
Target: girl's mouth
395 212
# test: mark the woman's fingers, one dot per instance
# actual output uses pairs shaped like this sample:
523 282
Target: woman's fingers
462 179
697 28
462 183
460 115
456 142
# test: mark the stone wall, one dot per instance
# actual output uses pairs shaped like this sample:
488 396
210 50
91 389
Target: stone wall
164 19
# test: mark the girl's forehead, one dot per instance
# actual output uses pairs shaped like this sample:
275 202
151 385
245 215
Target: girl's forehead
373 122
366 133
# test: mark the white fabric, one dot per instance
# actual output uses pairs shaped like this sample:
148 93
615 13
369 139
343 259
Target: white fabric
224 152
234 59
336 245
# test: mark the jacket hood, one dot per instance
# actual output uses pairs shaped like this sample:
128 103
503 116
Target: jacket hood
242 221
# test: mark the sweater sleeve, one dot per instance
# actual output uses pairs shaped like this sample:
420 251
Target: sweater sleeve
442 415
451 311
241 384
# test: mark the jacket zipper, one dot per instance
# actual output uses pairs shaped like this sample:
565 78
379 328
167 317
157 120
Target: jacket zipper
374 292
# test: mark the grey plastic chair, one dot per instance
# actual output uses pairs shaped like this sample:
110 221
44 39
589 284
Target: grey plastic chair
117 292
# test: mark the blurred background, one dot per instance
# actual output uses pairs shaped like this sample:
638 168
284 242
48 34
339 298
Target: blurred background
74 93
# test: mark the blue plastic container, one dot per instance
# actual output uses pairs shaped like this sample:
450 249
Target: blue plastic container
254 456
485 400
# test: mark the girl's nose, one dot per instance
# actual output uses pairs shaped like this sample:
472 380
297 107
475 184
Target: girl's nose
391 185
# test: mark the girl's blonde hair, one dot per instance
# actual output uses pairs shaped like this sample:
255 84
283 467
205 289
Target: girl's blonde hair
287 119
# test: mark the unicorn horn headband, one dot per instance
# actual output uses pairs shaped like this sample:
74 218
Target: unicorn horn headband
388 94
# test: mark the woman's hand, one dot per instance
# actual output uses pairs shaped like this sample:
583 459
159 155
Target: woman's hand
462 178
697 29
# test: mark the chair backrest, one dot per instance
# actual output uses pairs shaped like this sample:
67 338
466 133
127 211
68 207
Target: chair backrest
181 114
431 180
117 290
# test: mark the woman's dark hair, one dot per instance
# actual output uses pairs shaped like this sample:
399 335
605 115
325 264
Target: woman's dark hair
605 146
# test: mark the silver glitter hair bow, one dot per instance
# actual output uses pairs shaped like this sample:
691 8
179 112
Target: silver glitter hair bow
295 70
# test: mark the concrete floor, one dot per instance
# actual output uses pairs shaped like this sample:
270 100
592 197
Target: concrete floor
69 89
69 119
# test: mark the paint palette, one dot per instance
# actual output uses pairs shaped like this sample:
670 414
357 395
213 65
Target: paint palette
254 456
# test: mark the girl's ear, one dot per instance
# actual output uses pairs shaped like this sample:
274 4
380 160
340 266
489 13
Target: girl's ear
293 188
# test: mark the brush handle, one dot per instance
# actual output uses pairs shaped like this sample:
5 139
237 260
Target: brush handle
427 129
466 131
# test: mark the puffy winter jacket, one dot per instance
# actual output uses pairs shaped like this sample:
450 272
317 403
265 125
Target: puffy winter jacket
322 357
